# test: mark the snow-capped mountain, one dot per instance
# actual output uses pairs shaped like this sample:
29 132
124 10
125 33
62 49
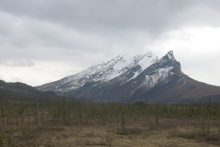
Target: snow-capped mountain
102 73
142 77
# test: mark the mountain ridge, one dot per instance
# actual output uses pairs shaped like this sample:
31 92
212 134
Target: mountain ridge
140 78
21 91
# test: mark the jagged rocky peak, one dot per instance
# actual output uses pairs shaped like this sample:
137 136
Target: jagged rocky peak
122 68
169 60
168 57
170 54
142 77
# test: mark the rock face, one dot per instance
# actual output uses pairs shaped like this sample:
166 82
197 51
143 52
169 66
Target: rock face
139 78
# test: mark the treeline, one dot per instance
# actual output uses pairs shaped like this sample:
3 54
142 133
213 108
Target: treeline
80 112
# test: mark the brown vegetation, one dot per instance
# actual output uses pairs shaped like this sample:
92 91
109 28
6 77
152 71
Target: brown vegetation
73 124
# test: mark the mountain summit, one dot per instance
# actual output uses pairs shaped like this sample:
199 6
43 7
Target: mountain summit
142 77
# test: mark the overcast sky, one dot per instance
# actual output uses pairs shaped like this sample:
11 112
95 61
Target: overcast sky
45 40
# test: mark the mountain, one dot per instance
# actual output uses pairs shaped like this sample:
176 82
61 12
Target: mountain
20 91
143 77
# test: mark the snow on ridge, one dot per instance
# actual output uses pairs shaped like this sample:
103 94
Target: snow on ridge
104 72
160 74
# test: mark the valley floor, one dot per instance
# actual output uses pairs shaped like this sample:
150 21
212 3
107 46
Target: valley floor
139 133
82 124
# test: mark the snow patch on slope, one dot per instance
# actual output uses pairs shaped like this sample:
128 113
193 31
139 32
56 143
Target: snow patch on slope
159 74
151 80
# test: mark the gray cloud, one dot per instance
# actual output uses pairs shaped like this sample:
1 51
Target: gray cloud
99 16
85 32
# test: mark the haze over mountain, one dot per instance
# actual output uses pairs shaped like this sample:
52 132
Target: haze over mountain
143 77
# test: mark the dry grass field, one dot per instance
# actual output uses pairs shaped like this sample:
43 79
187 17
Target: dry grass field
37 128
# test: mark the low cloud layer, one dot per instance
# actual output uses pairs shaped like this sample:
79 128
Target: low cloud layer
45 40
17 63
